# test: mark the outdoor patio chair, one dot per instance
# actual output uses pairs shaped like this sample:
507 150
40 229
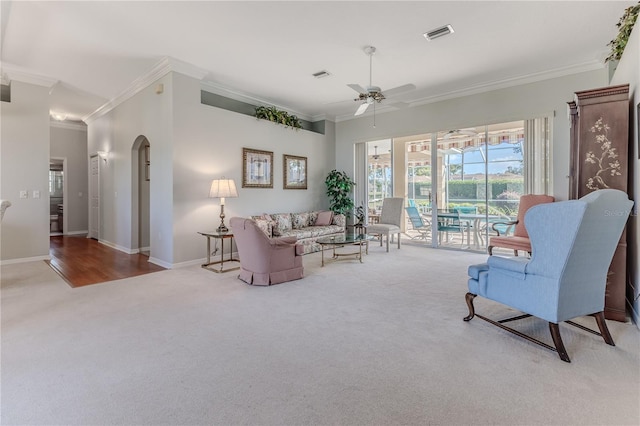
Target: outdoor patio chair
418 223
449 221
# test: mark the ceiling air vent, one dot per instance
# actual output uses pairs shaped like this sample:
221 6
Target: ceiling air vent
438 32
321 74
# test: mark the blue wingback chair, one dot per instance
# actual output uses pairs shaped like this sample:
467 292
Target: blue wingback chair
573 244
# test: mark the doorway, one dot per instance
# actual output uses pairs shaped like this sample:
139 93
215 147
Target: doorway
94 197
141 196
57 186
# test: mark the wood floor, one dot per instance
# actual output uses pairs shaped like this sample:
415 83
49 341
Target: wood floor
83 261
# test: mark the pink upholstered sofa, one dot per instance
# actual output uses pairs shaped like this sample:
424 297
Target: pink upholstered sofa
306 227
264 260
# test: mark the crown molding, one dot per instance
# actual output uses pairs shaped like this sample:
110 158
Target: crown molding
159 70
69 125
490 86
245 97
14 73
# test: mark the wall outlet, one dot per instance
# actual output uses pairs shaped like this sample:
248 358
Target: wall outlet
24 193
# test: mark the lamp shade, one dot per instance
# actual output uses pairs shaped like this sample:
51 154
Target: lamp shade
223 188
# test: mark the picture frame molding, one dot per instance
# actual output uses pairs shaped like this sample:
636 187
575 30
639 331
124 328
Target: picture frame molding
286 181
247 155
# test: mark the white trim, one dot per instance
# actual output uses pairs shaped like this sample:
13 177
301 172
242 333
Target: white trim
77 233
159 70
117 247
69 125
488 87
24 260
18 74
159 262
144 249
187 263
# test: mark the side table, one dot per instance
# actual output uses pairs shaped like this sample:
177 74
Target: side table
219 236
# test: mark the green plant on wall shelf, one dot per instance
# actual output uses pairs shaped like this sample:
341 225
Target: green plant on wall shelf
625 25
339 187
278 116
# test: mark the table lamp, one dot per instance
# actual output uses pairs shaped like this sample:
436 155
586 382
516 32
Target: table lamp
223 188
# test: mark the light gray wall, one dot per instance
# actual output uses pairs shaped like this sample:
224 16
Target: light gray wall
497 106
150 114
71 143
192 144
628 71
208 144
24 161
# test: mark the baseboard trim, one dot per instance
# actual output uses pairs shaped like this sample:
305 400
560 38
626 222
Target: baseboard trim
159 262
77 233
24 260
194 262
144 249
117 247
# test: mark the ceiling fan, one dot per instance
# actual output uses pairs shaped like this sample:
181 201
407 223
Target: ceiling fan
375 155
373 94
460 132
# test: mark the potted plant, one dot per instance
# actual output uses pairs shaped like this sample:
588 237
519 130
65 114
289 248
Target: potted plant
339 187
277 116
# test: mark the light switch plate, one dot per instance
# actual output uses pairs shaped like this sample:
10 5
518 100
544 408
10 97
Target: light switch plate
24 194
36 194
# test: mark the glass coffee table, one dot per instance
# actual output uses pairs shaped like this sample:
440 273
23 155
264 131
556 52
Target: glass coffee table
338 241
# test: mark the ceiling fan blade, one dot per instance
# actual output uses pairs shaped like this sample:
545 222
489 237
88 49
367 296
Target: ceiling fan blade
398 90
362 108
357 88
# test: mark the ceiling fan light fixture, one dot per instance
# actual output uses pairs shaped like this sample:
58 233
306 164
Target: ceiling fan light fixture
438 32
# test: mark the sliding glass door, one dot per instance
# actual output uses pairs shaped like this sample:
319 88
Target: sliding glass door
473 183
465 183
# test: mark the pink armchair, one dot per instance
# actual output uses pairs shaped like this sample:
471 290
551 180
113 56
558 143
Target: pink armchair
264 260
520 238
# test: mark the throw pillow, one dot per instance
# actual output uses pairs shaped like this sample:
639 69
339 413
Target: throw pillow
282 223
300 220
324 218
264 225
312 218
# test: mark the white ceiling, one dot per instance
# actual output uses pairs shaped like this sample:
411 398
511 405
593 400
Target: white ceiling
268 50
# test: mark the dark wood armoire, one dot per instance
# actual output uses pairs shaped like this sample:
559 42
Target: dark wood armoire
599 159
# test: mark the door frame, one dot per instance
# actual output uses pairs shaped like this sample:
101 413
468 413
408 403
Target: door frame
91 194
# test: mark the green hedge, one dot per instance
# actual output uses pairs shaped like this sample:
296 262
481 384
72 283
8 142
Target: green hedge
474 190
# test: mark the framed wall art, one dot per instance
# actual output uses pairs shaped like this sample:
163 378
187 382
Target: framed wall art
257 168
294 172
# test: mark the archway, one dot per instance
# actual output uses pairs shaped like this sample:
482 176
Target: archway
140 195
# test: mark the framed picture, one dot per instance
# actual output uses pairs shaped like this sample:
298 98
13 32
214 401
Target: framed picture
257 168
294 172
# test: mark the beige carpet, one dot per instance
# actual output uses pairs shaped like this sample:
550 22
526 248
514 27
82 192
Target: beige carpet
379 343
